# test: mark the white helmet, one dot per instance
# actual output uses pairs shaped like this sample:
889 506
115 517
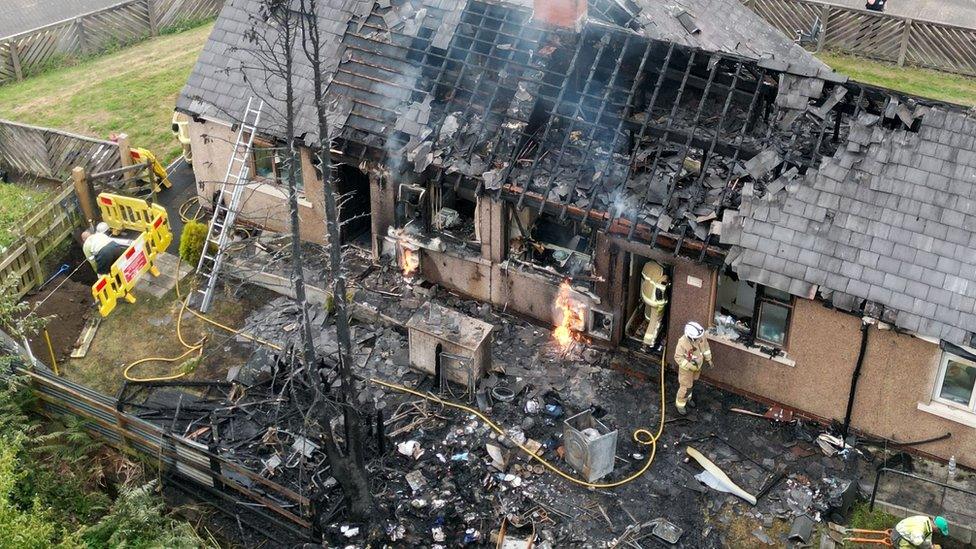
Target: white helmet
102 227
694 330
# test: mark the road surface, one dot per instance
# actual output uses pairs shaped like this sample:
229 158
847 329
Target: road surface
956 12
17 16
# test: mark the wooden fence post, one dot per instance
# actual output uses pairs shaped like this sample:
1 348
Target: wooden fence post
905 40
153 18
31 243
82 35
824 22
15 60
85 193
125 150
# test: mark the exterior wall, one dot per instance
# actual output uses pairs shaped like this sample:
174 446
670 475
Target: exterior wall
898 373
263 204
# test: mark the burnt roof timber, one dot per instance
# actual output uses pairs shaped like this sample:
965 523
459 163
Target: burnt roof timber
549 124
664 138
673 184
568 132
619 131
707 160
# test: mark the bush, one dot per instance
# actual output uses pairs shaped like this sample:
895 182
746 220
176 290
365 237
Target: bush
191 242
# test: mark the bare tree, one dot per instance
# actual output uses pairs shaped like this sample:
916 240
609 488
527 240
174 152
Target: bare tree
347 463
276 38
281 32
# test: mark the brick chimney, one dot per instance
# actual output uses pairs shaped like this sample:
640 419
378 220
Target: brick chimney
560 13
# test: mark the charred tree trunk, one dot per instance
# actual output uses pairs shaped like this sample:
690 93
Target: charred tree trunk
347 465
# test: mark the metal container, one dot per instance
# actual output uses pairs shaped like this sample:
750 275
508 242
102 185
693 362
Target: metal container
591 447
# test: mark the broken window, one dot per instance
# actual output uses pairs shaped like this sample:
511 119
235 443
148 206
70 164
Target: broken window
271 163
453 213
558 246
957 382
749 312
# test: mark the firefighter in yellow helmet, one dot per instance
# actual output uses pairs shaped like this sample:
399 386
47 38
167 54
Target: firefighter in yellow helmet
691 354
916 532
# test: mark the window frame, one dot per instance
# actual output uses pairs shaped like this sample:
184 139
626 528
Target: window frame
940 381
277 179
761 300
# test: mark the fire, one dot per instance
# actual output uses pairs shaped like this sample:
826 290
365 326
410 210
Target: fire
568 315
409 261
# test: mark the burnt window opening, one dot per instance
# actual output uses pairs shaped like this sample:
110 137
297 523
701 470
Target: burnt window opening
454 215
752 314
353 188
562 247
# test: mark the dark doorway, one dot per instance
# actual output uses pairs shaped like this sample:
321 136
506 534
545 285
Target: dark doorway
353 186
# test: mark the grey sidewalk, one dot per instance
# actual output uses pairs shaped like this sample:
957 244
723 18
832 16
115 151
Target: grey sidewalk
17 16
955 12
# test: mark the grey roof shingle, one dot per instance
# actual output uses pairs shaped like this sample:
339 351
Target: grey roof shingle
913 228
368 47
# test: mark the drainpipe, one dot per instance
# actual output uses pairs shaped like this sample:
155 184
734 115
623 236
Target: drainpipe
865 325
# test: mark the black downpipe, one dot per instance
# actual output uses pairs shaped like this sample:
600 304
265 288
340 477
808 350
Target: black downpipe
854 378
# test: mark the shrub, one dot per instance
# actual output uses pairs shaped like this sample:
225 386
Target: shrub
191 242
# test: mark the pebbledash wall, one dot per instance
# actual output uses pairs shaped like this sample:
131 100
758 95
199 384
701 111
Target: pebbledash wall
898 375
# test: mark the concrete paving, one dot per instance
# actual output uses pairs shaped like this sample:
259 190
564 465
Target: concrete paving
24 15
159 286
955 12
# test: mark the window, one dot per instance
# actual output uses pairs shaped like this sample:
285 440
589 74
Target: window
774 316
272 164
558 246
454 213
957 381
752 313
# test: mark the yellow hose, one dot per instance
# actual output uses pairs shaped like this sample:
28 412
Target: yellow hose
641 436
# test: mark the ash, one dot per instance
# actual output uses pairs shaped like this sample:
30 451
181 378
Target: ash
443 478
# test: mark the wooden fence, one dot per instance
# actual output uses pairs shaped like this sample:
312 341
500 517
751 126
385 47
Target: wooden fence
173 454
127 22
42 232
52 154
899 40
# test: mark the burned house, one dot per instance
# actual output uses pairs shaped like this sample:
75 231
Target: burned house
617 168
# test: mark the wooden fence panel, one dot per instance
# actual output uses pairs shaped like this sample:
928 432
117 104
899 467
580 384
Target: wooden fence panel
52 154
43 230
121 24
788 21
7 71
866 34
875 35
938 46
46 44
170 12
124 23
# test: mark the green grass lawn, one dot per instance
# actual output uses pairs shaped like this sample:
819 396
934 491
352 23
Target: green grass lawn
943 86
15 203
133 90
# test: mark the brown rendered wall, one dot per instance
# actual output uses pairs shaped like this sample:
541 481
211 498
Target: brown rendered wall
899 370
265 205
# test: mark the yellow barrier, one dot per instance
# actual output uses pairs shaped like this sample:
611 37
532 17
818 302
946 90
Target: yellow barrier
141 156
133 214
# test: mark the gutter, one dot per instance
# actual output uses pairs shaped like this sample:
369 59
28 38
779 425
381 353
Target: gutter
865 325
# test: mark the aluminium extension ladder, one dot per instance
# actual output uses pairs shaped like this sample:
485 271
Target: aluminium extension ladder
226 207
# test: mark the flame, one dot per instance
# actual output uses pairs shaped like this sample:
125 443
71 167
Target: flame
409 261
568 317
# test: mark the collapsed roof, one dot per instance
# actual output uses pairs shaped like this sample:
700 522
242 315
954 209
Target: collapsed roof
652 121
